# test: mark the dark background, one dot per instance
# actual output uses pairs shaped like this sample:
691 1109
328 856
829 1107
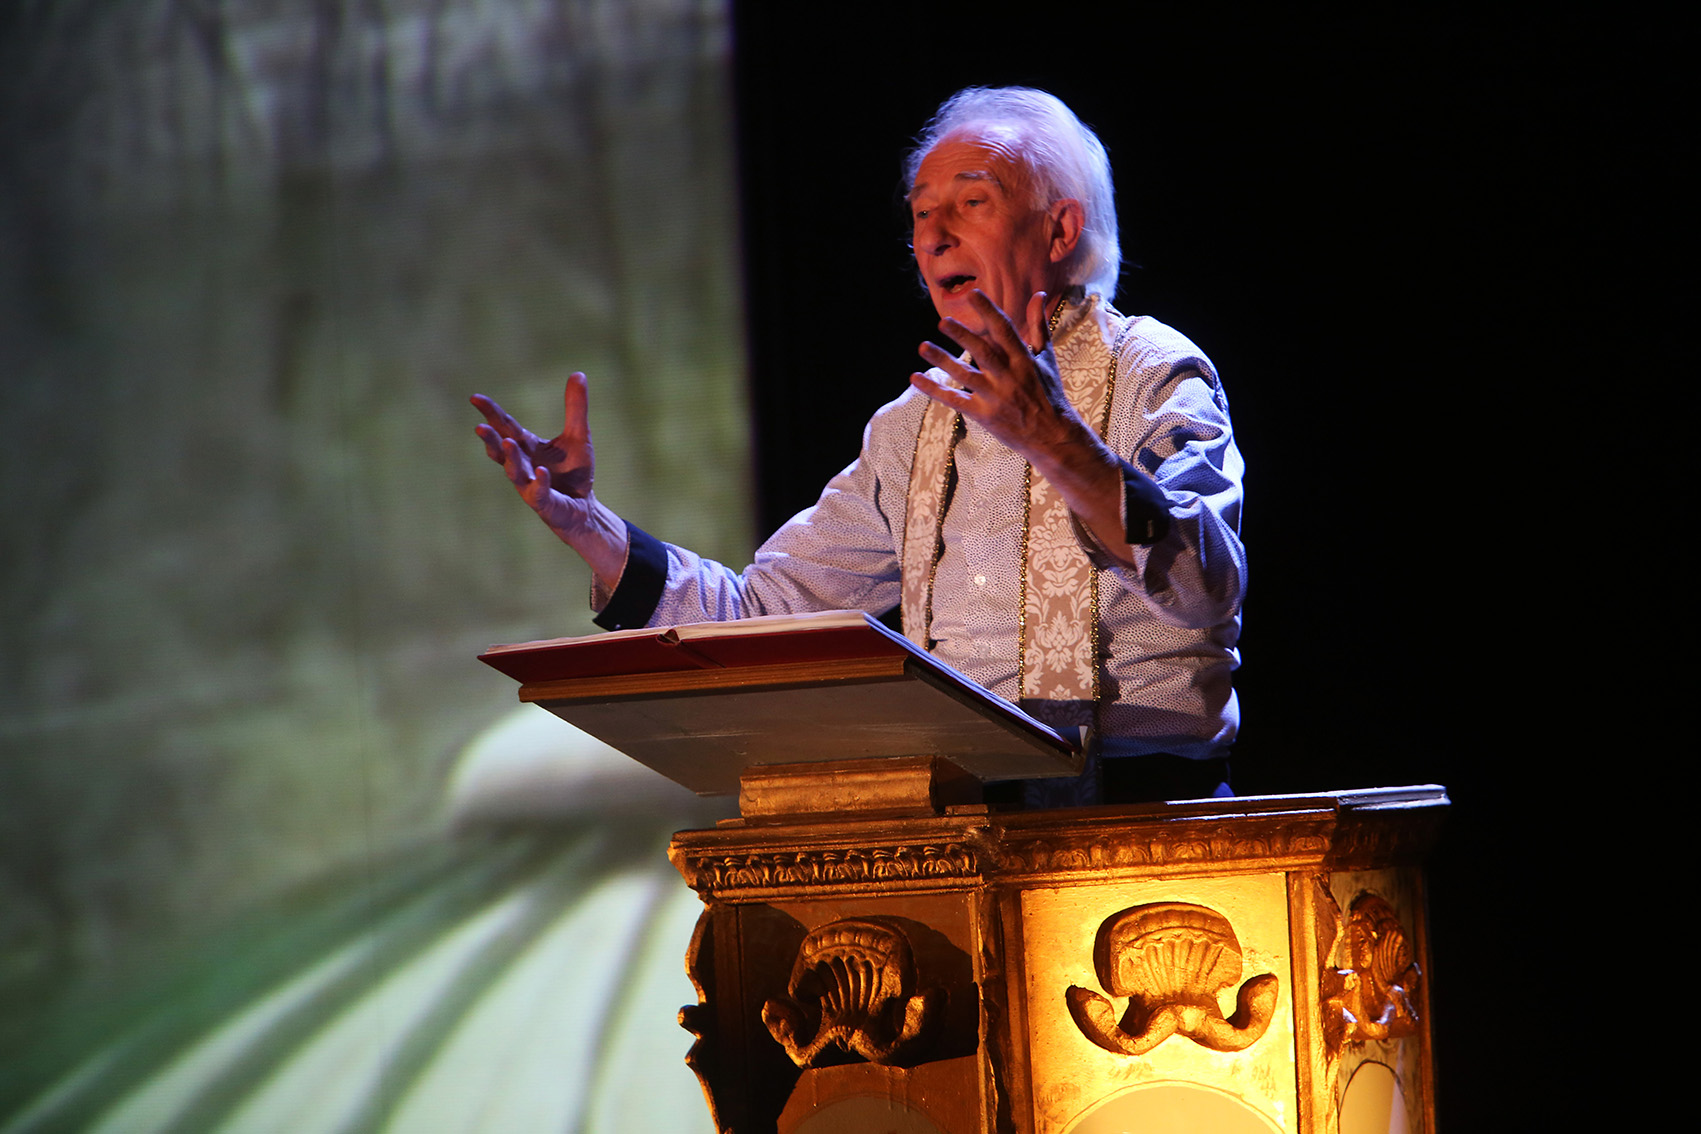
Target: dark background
1428 256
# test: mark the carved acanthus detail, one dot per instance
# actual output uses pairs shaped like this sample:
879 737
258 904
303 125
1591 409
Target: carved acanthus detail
1179 845
853 986
711 873
1170 959
1375 998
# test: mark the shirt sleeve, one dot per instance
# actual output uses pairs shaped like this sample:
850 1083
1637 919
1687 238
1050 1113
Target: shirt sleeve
839 554
1174 434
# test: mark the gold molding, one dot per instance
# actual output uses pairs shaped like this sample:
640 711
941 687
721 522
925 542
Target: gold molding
1168 846
829 866
971 844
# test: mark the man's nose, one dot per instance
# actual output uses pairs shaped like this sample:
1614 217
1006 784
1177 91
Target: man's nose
932 236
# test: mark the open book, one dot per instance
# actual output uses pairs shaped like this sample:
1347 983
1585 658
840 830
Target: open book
701 702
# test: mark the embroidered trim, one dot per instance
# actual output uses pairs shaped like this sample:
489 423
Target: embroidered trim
1104 435
1059 675
924 514
958 430
1022 581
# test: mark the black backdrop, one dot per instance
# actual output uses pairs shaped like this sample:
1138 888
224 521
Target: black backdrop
1405 242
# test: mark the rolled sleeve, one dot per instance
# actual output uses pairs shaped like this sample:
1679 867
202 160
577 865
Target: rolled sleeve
639 591
1182 488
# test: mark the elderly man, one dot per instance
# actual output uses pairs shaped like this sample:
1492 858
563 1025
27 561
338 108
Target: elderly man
1056 510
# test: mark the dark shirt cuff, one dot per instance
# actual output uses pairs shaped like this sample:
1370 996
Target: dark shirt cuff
639 591
1147 507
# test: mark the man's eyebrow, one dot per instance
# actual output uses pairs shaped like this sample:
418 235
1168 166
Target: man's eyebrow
966 175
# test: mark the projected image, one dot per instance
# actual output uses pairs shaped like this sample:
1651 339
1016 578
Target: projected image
276 852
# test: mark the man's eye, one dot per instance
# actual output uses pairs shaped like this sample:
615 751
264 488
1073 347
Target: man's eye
973 201
921 214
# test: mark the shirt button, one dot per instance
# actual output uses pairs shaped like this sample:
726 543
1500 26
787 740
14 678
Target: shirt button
980 580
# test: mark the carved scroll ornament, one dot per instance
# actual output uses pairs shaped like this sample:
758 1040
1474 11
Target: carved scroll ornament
1376 997
1170 959
852 986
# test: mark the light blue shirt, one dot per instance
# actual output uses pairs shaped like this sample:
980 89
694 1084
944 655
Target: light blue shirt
1168 625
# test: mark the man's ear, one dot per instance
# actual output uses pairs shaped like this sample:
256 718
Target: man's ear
1067 219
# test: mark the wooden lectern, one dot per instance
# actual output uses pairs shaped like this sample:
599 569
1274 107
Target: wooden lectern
881 952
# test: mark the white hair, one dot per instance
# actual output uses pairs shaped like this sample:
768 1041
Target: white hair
1063 159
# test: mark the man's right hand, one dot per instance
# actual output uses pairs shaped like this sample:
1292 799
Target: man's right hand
555 478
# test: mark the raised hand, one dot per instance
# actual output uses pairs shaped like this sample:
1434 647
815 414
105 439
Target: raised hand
555 477
1012 392
1016 394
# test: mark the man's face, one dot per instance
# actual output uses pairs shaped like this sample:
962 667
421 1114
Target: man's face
976 226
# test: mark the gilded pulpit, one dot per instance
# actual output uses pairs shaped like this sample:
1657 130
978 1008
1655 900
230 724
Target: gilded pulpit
1222 965
880 950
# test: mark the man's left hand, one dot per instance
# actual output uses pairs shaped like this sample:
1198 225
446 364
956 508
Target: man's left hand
1008 389
1016 394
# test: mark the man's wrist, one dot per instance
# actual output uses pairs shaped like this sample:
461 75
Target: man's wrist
600 537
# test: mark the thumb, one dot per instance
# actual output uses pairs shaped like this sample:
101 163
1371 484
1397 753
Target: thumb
576 413
1038 332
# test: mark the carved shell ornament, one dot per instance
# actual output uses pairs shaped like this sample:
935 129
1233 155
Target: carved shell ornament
1375 998
852 986
1170 959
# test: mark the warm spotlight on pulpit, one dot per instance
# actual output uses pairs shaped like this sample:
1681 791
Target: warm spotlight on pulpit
882 950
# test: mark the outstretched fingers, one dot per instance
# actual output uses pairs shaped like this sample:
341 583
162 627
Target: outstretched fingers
498 418
515 463
492 442
985 349
530 478
1000 344
1000 332
554 476
938 356
941 392
499 426
999 329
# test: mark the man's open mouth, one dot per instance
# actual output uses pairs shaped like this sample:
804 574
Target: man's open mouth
956 284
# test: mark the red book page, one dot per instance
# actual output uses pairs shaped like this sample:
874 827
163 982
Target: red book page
830 636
